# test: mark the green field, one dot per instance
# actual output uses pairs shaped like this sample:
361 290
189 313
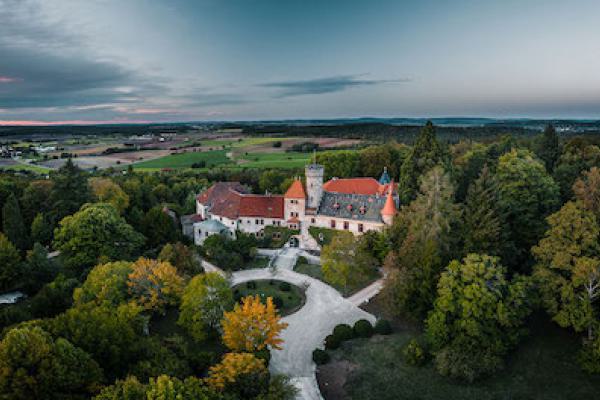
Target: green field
26 167
544 367
274 160
185 160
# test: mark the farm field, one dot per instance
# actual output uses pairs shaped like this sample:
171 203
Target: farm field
274 160
186 160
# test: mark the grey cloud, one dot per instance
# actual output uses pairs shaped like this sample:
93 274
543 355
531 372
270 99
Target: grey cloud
325 85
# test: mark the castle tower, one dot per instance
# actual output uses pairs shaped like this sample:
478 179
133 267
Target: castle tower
314 184
389 209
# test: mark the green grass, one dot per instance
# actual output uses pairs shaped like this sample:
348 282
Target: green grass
292 300
26 167
311 270
543 367
274 160
257 262
185 160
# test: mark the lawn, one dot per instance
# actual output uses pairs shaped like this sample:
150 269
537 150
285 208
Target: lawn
311 270
257 262
543 367
290 298
26 167
273 160
185 160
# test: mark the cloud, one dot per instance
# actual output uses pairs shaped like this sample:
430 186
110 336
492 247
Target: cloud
43 65
325 85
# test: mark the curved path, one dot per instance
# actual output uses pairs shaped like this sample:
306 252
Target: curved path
307 328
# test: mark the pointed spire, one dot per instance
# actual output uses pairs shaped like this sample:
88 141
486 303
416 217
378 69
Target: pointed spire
389 209
385 177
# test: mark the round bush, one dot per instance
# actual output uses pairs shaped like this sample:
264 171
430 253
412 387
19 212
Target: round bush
285 287
343 332
320 357
331 342
383 327
414 354
302 260
363 329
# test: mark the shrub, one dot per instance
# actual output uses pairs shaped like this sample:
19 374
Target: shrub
302 260
363 329
343 332
285 287
320 357
589 356
278 302
264 354
414 354
383 327
453 361
332 342
251 285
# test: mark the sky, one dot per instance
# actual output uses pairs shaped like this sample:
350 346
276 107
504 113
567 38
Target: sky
119 61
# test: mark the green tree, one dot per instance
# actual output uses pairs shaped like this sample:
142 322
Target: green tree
482 220
343 265
425 154
477 317
34 366
54 298
35 199
109 334
94 234
181 257
38 269
13 225
526 195
159 228
577 156
10 261
107 191
204 300
568 268
587 191
548 148
425 240
128 389
271 180
106 284
69 192
41 229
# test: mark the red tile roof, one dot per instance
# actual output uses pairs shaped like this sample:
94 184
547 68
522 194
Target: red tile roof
296 191
227 199
368 186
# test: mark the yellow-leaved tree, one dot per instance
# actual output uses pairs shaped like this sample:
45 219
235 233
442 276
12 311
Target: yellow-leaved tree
232 367
252 326
107 191
155 284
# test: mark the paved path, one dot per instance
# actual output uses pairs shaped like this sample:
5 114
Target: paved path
307 328
324 309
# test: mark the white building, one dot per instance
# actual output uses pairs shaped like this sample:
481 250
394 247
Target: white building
356 205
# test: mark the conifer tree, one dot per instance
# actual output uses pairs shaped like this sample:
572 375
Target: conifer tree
12 223
70 190
482 222
425 154
549 148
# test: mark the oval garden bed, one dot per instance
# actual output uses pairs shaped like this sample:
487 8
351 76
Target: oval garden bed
287 298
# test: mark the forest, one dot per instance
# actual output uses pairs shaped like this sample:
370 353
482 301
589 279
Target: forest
118 307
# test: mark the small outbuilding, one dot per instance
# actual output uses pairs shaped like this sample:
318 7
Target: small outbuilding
207 228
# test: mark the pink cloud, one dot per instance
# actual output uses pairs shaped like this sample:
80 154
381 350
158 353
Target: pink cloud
70 122
7 79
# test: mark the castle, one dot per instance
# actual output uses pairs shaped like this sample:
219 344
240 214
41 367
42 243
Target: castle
356 205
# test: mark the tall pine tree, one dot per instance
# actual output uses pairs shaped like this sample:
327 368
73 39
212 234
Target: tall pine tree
70 191
12 223
549 148
482 219
425 154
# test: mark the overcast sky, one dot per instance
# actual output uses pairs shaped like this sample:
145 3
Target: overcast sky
183 60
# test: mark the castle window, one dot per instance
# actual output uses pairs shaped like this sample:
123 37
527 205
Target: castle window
333 223
346 225
312 220
361 228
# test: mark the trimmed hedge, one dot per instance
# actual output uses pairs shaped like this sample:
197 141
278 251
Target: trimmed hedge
332 342
414 354
343 332
362 329
383 327
320 357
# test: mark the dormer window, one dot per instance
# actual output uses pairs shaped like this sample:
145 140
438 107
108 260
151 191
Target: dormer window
362 209
349 207
336 205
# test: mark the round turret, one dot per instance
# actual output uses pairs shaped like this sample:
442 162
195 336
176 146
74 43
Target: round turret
314 184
